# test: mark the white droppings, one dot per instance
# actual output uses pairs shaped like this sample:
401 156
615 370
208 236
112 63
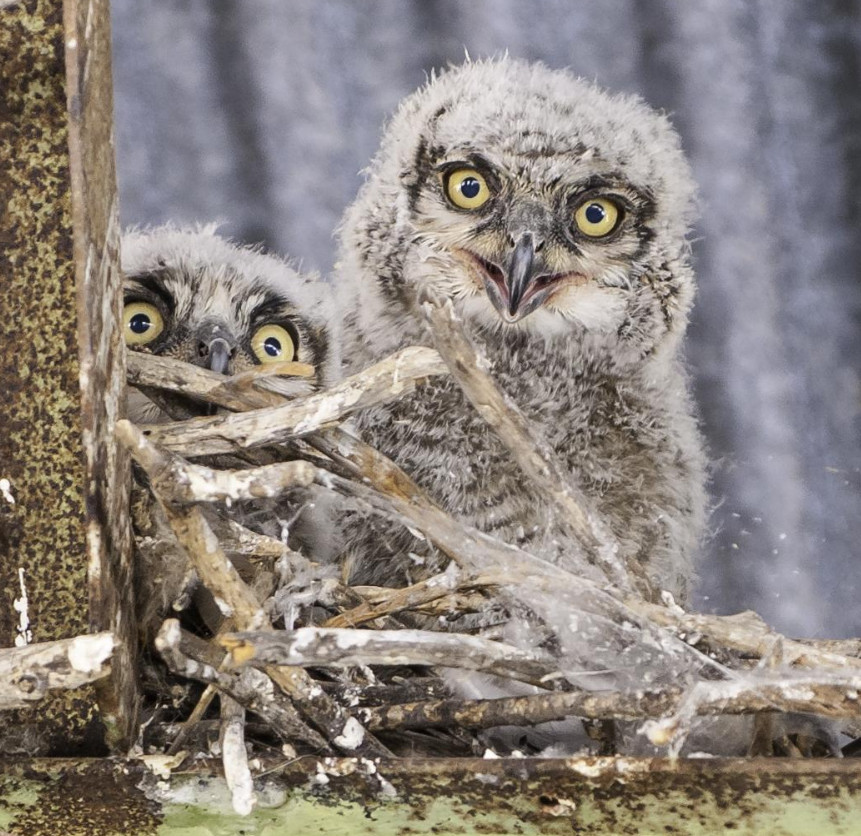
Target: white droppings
320 777
387 788
6 490
223 607
24 634
351 735
88 653
161 765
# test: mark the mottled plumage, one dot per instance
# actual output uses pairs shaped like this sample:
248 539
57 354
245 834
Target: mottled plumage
554 215
218 303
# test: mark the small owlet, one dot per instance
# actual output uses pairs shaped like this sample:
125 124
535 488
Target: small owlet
554 216
192 295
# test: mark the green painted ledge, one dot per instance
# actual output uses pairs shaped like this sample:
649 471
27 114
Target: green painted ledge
349 797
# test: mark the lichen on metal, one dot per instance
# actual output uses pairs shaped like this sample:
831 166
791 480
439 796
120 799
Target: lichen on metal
599 796
52 451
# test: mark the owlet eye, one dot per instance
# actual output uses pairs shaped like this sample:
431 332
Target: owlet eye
273 344
597 217
467 189
142 323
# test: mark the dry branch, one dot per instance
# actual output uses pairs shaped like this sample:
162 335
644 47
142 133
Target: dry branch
28 673
830 698
316 646
254 691
150 370
234 757
381 601
391 378
535 458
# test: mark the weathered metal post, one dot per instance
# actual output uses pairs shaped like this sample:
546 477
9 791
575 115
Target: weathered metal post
64 536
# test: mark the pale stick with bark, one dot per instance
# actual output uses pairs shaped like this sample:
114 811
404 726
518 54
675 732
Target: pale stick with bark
195 658
28 673
237 392
234 757
669 706
470 368
223 581
328 647
393 377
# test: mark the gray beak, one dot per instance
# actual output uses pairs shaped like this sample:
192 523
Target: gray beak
218 355
520 271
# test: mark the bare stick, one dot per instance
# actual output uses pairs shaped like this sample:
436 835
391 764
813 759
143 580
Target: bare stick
234 757
747 633
391 378
829 698
380 601
150 370
535 458
256 692
315 646
28 673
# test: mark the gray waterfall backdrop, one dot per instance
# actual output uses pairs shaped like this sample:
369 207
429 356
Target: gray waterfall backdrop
263 112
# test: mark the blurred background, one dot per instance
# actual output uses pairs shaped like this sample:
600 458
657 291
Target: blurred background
261 113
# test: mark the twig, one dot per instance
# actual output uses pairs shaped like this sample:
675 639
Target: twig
747 633
28 673
237 773
534 456
381 601
829 698
150 370
395 376
316 646
255 692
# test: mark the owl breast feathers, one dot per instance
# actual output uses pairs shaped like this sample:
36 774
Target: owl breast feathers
554 216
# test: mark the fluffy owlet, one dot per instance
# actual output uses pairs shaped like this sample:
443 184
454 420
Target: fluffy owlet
192 295
554 216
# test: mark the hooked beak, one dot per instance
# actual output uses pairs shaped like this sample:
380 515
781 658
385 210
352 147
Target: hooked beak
518 289
218 355
520 271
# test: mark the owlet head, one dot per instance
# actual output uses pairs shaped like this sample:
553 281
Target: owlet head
534 200
191 295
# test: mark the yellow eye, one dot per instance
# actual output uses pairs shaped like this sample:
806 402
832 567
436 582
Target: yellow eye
467 189
142 323
273 344
597 217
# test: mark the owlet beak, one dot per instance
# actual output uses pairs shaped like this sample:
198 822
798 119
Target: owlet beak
519 274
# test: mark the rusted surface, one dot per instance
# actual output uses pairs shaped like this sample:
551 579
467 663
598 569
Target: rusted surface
599 796
55 536
102 371
44 532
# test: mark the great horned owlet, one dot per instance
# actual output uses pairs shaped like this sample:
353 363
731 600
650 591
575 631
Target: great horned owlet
195 296
554 215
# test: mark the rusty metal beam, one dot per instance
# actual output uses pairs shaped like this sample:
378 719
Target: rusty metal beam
65 536
598 796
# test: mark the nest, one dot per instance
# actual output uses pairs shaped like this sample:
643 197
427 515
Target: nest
322 668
